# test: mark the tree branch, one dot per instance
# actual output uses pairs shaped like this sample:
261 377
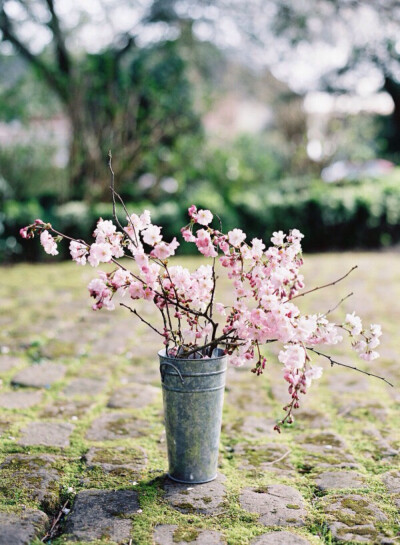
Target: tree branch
47 73
334 362
325 285
134 311
63 59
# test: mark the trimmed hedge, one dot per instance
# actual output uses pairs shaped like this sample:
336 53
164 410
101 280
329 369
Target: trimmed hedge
357 215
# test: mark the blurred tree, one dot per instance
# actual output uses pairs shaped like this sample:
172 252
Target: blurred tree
126 97
356 43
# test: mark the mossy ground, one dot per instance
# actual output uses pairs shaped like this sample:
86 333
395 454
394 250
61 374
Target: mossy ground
46 315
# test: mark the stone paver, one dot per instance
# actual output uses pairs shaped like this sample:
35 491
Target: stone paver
85 386
9 362
392 482
325 449
251 426
63 408
116 426
204 498
383 449
311 419
134 396
49 434
40 375
98 514
20 400
117 459
279 538
171 534
353 518
277 505
335 480
34 475
21 529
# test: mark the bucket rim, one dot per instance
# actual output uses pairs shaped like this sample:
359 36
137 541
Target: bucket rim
162 355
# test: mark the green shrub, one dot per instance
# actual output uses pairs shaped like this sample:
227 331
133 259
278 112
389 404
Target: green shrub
359 215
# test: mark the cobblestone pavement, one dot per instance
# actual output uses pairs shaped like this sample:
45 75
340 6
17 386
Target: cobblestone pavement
82 428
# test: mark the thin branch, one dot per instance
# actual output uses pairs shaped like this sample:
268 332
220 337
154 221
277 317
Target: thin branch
134 311
338 305
50 533
215 341
278 459
334 362
325 285
114 194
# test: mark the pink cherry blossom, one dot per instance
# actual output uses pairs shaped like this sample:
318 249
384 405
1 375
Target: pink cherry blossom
278 238
162 250
293 356
100 253
188 235
78 252
48 243
204 217
152 235
236 237
354 323
192 211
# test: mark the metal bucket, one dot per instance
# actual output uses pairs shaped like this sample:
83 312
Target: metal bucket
193 396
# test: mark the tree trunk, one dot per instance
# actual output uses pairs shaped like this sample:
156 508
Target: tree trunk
393 129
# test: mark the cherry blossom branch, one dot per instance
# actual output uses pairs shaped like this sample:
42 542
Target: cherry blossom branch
115 194
334 362
338 304
134 311
325 285
211 343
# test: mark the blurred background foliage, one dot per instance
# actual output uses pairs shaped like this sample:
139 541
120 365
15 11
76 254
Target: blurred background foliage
273 114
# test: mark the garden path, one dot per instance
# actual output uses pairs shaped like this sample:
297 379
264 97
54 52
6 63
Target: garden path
82 429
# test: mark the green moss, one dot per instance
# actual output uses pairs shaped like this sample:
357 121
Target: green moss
361 512
186 506
292 506
207 499
323 439
185 534
358 531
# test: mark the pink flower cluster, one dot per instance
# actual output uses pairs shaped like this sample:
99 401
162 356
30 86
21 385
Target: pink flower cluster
265 281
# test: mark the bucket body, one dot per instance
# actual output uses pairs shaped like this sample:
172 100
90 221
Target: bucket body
193 396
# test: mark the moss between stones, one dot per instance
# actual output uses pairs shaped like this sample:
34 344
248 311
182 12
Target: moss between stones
323 439
292 506
358 531
116 457
186 506
185 534
362 512
207 499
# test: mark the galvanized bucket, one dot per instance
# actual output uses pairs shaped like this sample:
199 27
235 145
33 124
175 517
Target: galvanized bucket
193 395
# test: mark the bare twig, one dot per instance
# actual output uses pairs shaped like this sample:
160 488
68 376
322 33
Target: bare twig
334 362
338 305
325 285
50 533
134 311
278 459
215 341
115 194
